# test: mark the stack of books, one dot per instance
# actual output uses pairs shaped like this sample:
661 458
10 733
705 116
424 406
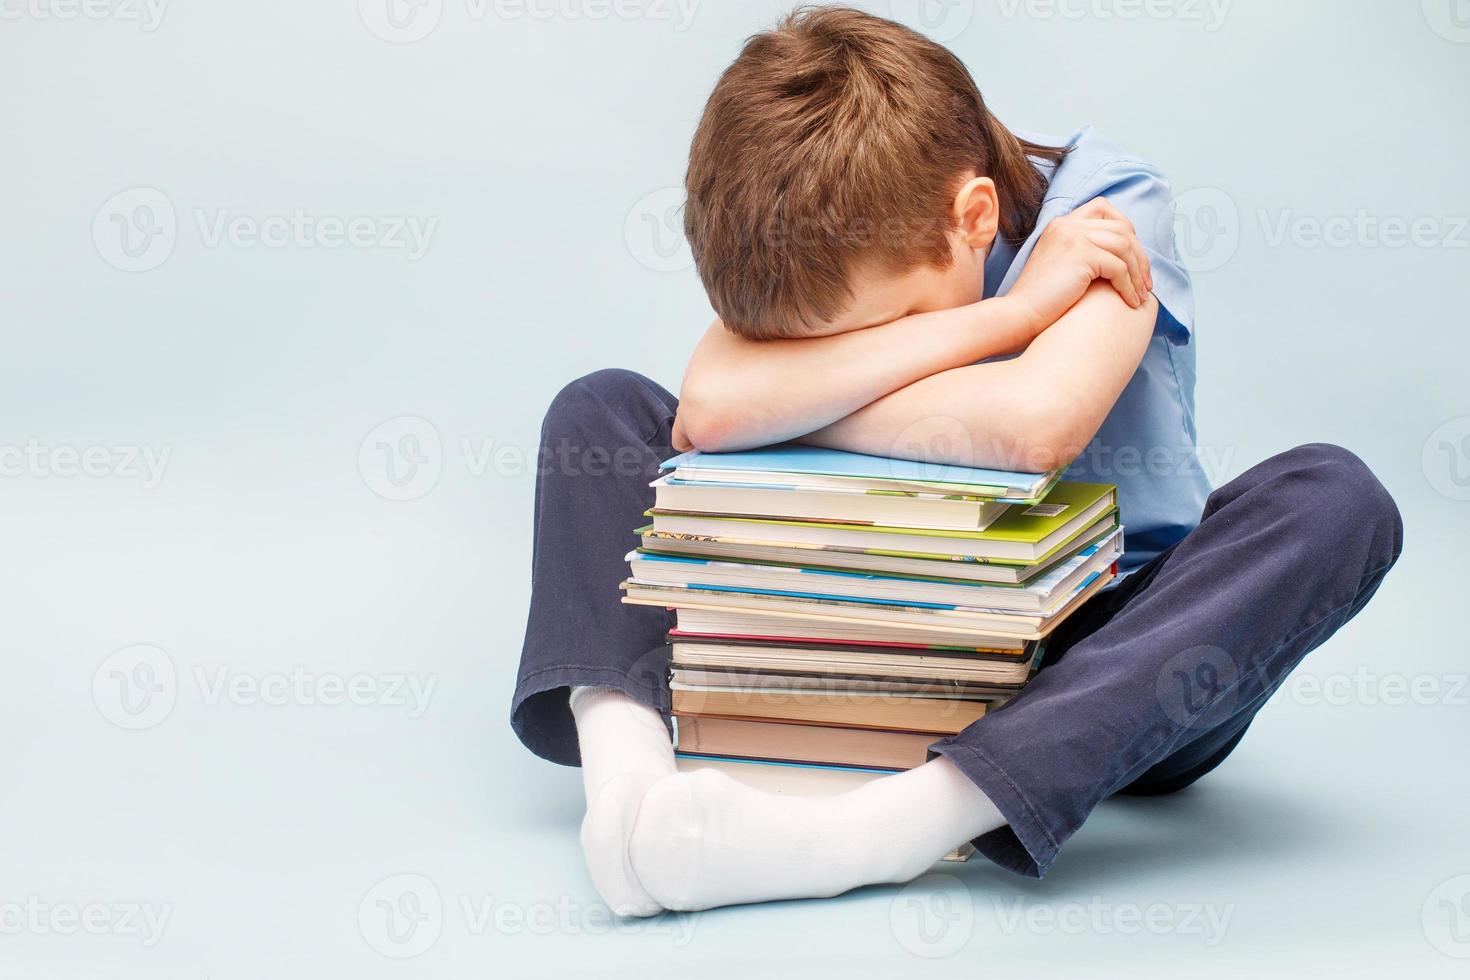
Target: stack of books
847 611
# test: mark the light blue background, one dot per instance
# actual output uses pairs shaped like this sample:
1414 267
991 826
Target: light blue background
268 543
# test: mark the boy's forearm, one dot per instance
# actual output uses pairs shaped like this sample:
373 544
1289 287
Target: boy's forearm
1031 413
740 393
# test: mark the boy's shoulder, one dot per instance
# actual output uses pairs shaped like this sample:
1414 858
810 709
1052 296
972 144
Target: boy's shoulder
1097 167
1092 166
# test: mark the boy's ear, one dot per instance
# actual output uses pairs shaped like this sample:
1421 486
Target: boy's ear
977 212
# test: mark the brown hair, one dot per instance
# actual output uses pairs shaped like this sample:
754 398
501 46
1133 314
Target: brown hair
837 137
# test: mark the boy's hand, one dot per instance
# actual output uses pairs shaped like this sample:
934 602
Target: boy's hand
1093 242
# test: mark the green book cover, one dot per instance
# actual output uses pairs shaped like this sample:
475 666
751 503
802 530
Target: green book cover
1021 524
1072 544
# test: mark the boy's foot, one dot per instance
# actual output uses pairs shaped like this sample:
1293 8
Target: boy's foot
625 749
702 839
606 830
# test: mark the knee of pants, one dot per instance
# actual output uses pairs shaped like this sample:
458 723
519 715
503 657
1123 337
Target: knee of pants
1335 494
606 408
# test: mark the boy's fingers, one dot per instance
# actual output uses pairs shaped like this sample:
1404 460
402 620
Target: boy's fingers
1124 247
1141 265
1116 271
1112 212
1100 209
1138 255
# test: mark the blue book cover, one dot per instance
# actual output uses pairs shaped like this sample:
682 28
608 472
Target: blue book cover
827 598
795 458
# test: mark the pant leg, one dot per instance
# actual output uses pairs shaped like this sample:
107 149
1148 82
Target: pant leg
601 443
1156 683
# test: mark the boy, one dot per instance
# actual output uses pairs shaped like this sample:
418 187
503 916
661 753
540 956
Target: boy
896 273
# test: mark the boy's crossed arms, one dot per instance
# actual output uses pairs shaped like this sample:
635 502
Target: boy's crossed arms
896 374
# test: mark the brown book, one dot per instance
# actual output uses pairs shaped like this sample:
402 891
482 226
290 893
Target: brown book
816 744
895 712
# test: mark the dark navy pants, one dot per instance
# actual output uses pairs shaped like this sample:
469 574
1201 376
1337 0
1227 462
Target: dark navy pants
1143 690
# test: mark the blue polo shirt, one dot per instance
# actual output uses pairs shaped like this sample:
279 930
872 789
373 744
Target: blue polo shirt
1147 444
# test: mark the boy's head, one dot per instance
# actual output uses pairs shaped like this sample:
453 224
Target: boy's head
845 173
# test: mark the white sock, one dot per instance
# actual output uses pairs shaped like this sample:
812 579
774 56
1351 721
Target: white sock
702 839
625 750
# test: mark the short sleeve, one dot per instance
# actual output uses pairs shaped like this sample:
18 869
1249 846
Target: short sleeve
1144 195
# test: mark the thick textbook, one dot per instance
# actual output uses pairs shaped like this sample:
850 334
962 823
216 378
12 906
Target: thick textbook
868 748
